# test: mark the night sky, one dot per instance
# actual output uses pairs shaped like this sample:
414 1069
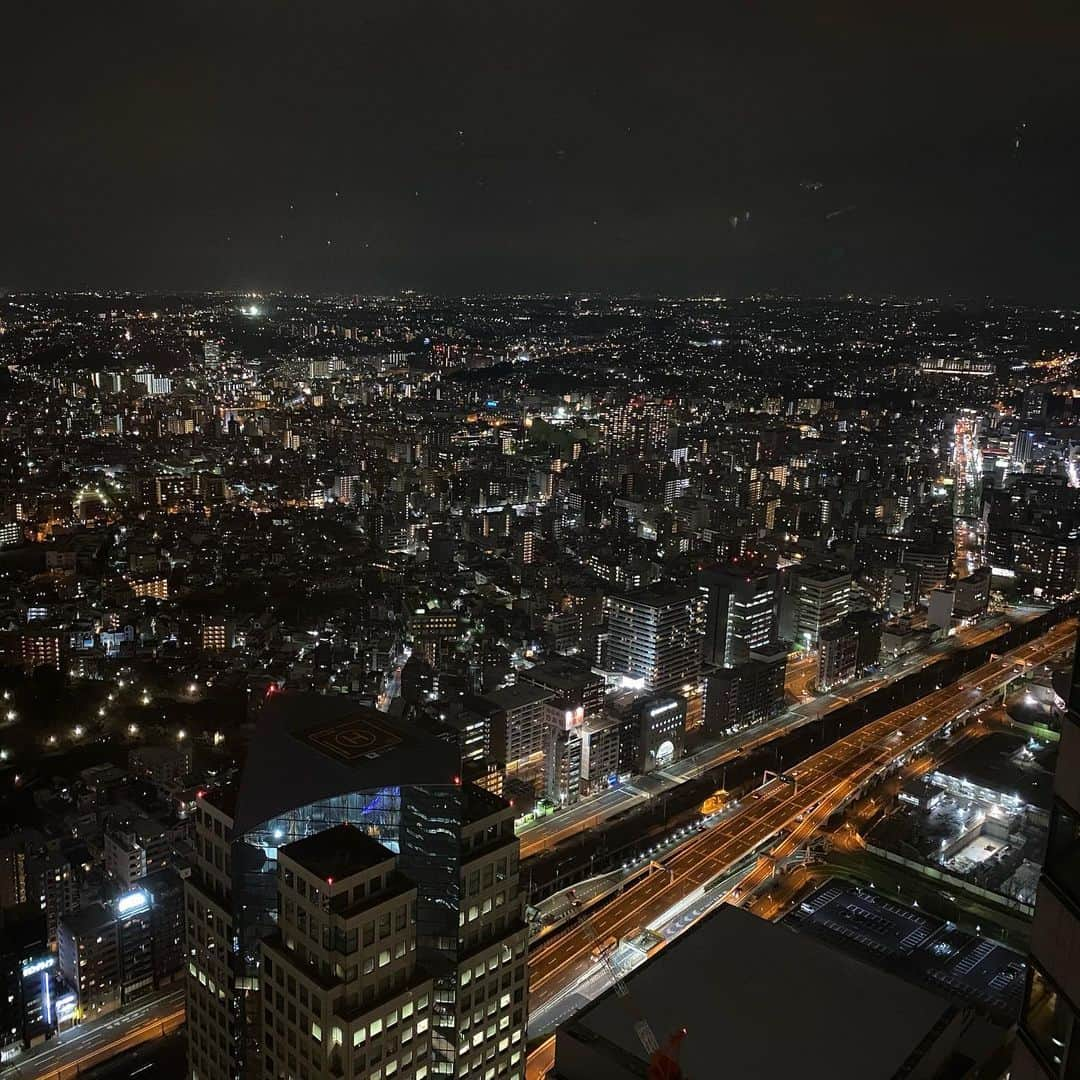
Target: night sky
802 146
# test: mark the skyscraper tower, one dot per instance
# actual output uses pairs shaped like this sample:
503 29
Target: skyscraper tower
1048 1036
641 426
373 817
651 639
741 613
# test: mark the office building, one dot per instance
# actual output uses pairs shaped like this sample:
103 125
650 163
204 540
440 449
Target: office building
28 990
317 763
106 953
342 992
822 597
16 855
601 755
741 613
747 694
847 649
650 640
939 608
60 892
929 566
971 594
652 730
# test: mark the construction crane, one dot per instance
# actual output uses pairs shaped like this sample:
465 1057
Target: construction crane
663 1060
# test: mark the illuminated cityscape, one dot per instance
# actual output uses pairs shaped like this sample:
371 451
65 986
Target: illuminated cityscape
540 543
538 666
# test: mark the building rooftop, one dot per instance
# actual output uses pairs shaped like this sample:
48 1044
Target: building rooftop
337 853
757 1000
1009 764
656 596
562 674
311 747
771 653
88 920
974 972
221 798
822 575
478 803
514 697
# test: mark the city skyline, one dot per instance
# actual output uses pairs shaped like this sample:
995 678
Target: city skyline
540 543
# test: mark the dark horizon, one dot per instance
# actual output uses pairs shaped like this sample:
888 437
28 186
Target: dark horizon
487 149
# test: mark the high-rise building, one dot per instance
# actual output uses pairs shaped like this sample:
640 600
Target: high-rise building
848 648
342 992
641 426
1048 1043
40 649
451 860
519 720
652 732
822 597
154 384
60 893
741 613
106 953
28 995
749 693
15 870
134 849
972 593
930 565
650 638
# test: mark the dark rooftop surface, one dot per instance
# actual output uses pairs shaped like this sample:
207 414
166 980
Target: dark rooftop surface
562 674
657 596
477 803
969 970
337 853
311 747
759 1001
517 695
1007 763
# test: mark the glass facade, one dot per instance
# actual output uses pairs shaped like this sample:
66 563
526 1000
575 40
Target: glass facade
1063 851
1050 1020
255 856
1049 1024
